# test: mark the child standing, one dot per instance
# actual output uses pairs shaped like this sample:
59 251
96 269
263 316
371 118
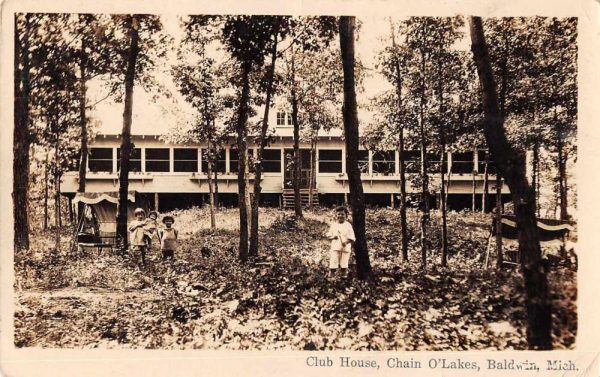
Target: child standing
137 233
151 228
168 238
342 236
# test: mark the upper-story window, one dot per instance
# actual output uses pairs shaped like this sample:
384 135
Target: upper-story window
284 119
135 160
330 161
101 160
186 160
157 159
384 162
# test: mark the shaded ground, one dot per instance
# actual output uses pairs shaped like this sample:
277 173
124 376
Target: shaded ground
285 300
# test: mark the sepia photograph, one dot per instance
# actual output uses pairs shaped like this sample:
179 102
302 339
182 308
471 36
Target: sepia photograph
287 182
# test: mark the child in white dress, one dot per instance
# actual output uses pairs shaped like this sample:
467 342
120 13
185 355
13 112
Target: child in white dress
342 237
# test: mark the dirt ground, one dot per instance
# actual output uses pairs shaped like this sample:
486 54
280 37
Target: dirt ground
285 299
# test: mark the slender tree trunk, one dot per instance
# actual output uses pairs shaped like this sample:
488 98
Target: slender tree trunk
216 186
21 137
402 167
535 178
473 189
498 219
403 222
263 140
313 160
83 151
57 215
126 134
363 264
211 191
511 164
242 136
424 173
297 160
486 184
562 187
46 191
444 209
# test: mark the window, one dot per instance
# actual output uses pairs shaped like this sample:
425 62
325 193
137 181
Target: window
219 162
100 159
135 160
330 161
412 161
280 118
462 162
384 162
491 167
434 162
284 118
186 160
157 159
271 161
234 160
363 161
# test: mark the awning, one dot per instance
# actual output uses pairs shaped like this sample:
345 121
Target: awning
97 197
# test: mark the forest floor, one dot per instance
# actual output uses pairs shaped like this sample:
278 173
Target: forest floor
285 300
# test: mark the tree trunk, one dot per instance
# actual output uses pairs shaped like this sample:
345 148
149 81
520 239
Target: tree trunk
562 187
473 190
535 176
21 137
126 135
363 264
443 200
297 160
216 186
424 173
313 170
498 219
486 184
46 191
258 166
511 164
57 222
211 191
83 151
402 167
242 136
403 222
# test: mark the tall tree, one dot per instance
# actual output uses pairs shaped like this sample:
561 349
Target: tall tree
141 46
263 140
363 264
247 40
126 147
511 164
21 136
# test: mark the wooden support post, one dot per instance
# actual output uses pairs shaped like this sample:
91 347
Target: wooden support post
392 200
156 202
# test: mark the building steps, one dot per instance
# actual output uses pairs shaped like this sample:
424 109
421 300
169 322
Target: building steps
288 198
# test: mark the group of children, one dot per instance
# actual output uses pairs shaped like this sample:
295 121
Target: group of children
144 230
